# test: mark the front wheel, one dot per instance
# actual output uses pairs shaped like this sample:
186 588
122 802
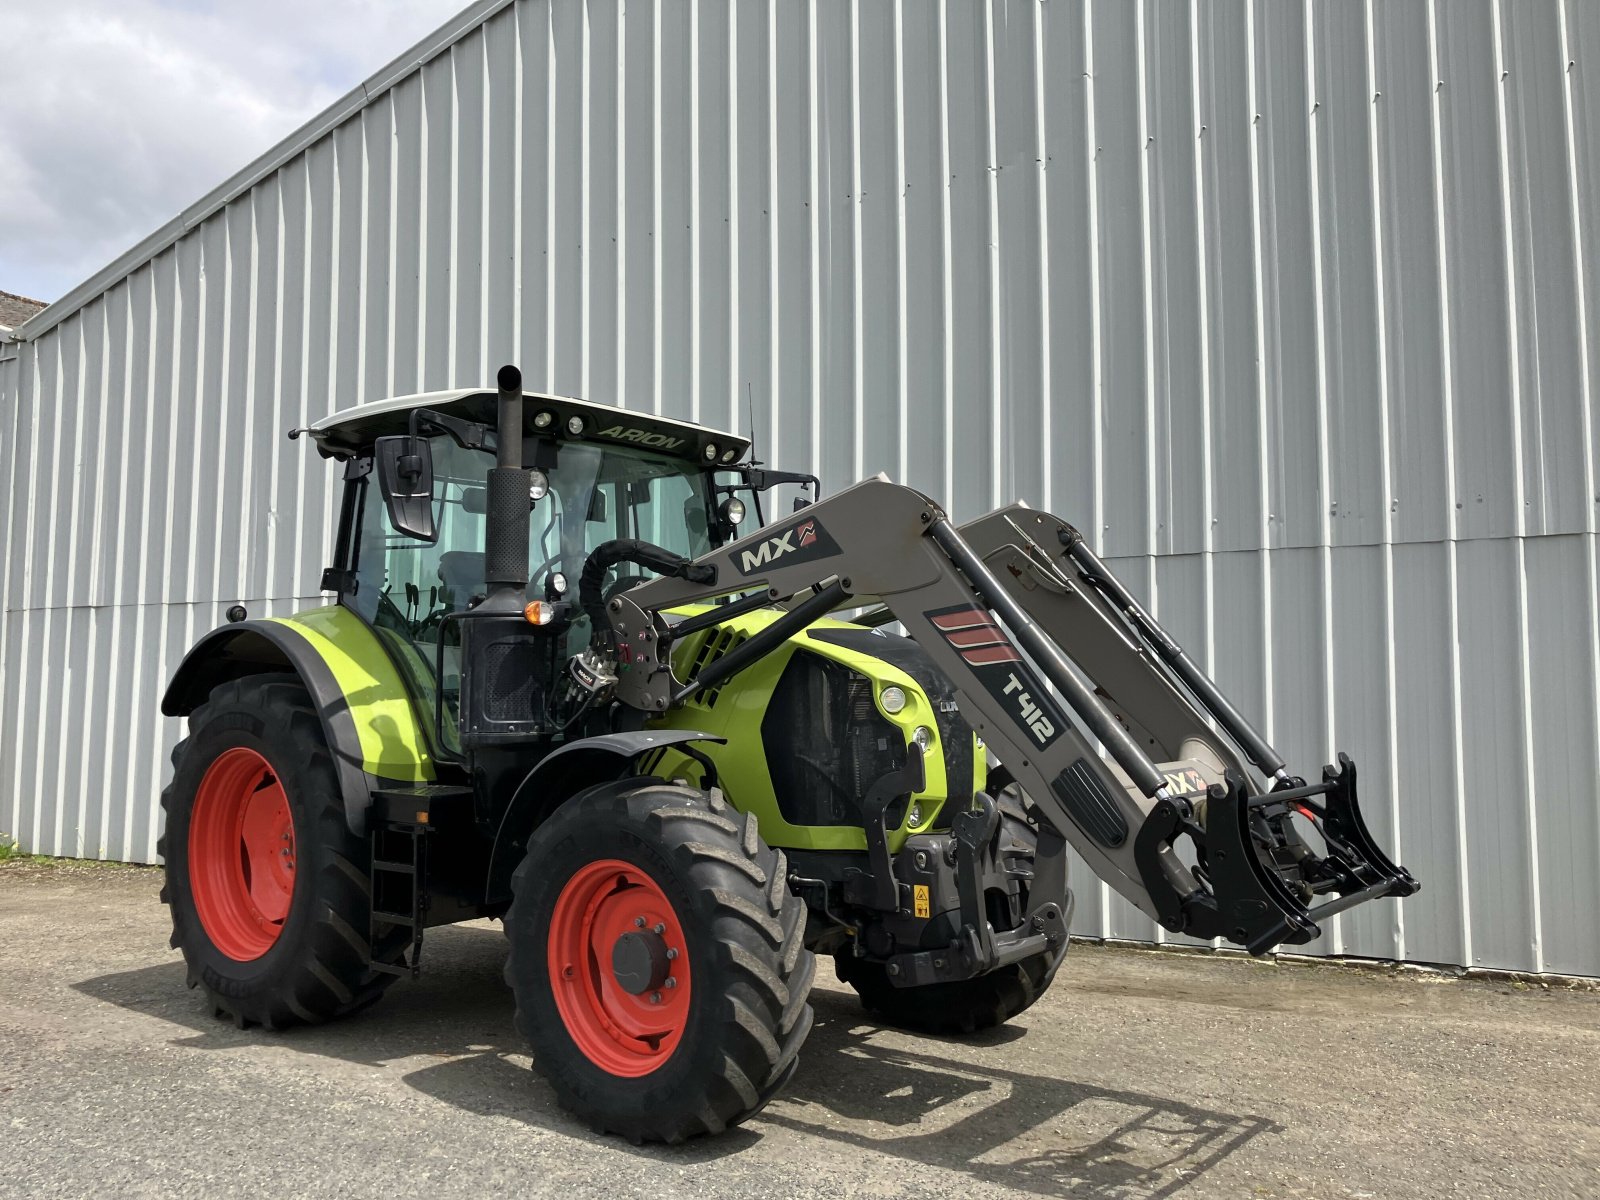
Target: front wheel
658 961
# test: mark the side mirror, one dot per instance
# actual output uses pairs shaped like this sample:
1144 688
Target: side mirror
405 473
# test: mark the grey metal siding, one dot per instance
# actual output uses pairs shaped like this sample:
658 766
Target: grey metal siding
1290 306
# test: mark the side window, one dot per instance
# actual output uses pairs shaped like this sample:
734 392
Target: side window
410 586
405 588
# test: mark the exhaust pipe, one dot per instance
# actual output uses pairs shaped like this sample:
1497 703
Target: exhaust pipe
505 533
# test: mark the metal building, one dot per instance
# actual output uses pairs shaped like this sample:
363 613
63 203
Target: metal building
1291 304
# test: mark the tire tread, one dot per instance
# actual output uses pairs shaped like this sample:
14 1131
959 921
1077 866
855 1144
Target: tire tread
760 963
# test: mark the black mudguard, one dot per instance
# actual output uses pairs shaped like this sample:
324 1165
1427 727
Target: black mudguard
561 775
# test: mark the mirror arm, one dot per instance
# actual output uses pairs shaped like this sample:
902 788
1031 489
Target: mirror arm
762 479
469 435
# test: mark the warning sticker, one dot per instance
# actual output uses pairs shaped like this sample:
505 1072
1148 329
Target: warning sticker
919 899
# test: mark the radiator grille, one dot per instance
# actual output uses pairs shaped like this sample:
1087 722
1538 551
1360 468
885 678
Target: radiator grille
827 743
955 735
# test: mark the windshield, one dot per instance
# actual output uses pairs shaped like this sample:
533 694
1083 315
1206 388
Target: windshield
596 494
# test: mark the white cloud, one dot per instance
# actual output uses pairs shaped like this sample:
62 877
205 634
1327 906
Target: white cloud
120 113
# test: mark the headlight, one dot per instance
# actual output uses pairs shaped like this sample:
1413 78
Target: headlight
893 700
711 452
923 737
574 425
538 484
542 420
558 583
729 455
732 510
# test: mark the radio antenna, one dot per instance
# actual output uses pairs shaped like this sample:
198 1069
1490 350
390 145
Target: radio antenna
750 404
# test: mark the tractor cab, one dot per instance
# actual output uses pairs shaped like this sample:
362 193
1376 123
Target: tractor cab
410 560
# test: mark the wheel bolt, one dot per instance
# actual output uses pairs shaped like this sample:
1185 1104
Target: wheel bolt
672 952
655 997
660 928
567 972
671 982
638 922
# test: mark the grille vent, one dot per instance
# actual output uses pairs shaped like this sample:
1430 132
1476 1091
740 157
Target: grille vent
717 643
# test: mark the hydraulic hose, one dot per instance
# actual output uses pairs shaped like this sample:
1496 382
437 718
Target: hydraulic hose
645 554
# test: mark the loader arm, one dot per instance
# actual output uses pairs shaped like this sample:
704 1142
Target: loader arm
1048 656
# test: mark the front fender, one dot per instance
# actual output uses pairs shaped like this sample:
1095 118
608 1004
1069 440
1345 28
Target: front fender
559 776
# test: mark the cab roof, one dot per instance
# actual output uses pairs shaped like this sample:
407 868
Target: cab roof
351 430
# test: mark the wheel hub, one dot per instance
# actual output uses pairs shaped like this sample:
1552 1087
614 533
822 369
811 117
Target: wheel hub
639 961
619 967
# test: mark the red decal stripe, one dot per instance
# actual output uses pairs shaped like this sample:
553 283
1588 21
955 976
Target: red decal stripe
991 654
989 636
966 619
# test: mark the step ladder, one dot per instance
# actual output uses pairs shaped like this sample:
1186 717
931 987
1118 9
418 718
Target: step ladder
400 823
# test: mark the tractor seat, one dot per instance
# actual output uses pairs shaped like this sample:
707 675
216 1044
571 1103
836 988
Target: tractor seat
461 572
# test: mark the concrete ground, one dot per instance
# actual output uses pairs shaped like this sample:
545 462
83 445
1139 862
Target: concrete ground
1138 1075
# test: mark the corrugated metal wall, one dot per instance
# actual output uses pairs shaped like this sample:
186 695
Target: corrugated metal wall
1287 303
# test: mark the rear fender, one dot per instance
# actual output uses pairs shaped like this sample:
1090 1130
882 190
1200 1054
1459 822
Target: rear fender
367 716
559 777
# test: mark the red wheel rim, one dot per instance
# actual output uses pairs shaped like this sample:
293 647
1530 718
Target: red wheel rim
241 854
621 1031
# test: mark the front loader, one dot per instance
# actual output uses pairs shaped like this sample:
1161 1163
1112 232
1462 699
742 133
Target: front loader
560 687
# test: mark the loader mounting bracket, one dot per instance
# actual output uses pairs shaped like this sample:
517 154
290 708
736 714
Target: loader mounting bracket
1248 901
877 888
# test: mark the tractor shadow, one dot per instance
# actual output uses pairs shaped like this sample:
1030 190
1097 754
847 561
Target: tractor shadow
859 1085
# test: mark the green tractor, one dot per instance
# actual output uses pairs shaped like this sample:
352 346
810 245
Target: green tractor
562 685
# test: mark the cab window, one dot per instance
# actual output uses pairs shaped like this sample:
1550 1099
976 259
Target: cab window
406 588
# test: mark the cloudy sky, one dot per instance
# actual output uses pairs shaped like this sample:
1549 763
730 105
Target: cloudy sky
116 114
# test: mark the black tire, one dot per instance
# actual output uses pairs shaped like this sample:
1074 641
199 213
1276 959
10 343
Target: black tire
946 1008
320 966
971 1005
750 973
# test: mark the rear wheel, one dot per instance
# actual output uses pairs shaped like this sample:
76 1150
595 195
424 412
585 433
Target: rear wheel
658 961
267 886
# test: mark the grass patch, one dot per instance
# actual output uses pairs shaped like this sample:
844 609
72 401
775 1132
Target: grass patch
12 853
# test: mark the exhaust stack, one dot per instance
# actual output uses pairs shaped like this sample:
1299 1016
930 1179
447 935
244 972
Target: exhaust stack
505 550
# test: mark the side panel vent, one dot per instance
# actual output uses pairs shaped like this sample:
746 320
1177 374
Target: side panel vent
1087 801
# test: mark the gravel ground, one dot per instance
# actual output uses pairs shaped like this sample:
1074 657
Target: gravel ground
1138 1075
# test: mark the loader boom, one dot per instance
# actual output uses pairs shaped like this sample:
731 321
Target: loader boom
1049 656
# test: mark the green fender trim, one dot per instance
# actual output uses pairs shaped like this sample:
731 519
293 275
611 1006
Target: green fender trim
394 745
